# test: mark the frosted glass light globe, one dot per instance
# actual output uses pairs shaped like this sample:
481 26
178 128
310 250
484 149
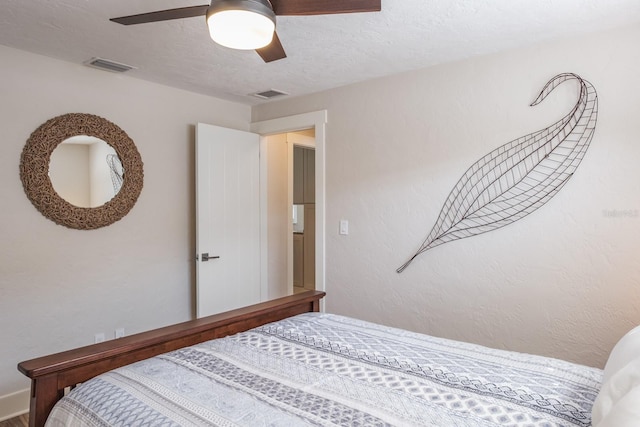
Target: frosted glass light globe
241 29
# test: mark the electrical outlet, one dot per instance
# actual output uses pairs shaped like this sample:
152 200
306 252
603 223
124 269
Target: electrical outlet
99 337
119 333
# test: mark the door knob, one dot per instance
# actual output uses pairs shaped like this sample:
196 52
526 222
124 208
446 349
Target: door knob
206 257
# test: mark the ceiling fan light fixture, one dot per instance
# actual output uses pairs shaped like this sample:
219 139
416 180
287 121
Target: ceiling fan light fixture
241 24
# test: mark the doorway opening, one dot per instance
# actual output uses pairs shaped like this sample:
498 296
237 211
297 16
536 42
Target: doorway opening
303 210
270 259
276 278
291 208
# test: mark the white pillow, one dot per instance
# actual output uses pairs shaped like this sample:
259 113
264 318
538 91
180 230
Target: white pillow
626 350
618 402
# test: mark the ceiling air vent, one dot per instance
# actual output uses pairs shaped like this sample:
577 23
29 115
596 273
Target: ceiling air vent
268 94
107 65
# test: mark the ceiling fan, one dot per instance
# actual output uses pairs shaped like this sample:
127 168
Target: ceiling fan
250 24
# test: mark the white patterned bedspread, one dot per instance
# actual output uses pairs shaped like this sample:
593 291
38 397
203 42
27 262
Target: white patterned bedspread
323 369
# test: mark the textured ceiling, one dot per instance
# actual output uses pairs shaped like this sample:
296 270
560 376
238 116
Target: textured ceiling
323 51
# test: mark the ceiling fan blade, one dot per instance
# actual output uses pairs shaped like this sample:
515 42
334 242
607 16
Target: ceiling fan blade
163 15
324 7
273 51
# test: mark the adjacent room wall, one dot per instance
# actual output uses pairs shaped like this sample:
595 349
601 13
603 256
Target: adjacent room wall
58 286
565 280
277 214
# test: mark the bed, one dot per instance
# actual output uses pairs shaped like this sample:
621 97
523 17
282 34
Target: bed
283 363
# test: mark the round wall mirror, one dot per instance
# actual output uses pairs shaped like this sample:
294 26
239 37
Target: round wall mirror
81 171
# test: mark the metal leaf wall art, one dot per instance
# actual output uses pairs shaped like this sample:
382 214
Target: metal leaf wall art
517 178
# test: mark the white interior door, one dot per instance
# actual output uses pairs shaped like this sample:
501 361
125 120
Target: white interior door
227 219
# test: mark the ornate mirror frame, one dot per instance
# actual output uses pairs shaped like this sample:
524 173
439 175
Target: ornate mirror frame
34 171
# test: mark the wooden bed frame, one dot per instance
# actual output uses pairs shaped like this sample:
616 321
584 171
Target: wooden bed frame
51 375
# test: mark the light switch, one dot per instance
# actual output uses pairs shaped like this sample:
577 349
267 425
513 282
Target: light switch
344 227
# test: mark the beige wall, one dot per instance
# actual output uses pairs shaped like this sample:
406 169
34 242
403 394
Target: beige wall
564 281
58 286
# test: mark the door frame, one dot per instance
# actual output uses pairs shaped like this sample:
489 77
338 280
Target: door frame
316 120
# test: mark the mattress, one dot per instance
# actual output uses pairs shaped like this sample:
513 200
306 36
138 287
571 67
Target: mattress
325 370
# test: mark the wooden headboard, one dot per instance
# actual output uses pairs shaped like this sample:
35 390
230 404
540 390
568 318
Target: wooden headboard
51 375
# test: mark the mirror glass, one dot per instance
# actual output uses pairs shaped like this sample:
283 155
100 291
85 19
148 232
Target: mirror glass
85 171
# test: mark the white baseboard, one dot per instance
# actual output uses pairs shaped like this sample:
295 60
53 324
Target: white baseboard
14 404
